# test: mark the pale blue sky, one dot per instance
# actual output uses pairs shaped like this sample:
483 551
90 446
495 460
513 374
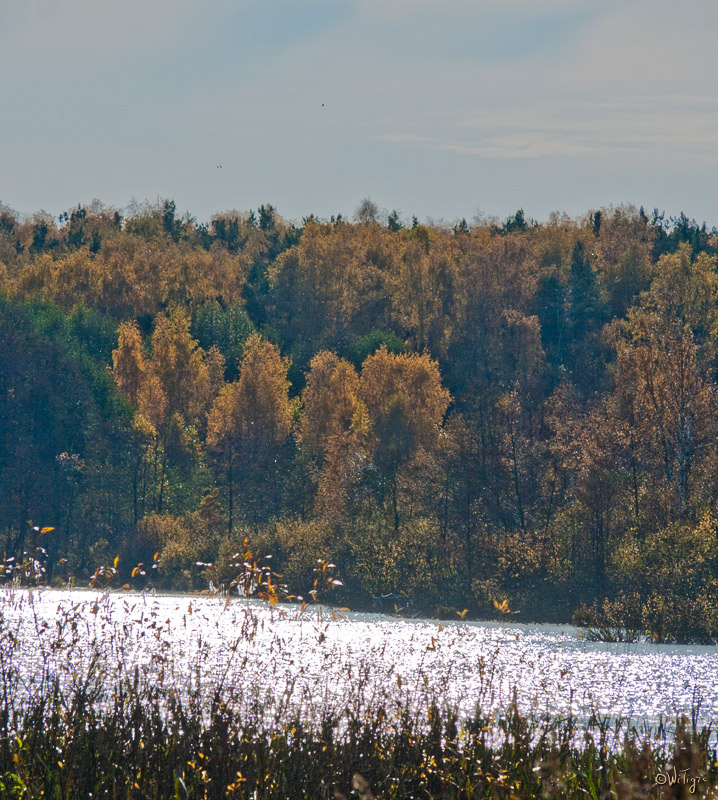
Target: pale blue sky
439 108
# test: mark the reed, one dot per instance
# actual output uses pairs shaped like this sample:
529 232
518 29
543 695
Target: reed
150 743
96 718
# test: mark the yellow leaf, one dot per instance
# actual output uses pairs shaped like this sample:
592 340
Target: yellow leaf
117 561
46 530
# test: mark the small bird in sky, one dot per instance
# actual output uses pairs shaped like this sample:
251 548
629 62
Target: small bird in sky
219 166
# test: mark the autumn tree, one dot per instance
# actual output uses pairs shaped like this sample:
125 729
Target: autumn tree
182 368
171 391
329 290
664 378
331 430
130 275
422 286
594 455
248 425
129 366
622 258
406 404
329 399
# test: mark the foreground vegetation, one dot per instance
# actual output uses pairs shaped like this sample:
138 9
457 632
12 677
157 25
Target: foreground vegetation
146 746
98 705
510 416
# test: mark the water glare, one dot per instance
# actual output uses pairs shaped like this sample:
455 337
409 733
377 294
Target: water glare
322 660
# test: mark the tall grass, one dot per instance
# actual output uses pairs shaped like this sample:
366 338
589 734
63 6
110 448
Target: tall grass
92 716
147 743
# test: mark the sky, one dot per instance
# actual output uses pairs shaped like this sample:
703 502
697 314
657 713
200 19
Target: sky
441 109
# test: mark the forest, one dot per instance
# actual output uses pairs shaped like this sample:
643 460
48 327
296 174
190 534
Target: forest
491 418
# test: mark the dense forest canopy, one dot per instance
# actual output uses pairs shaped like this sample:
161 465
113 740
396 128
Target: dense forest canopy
503 414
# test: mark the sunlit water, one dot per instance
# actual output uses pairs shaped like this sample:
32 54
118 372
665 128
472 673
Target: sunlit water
307 662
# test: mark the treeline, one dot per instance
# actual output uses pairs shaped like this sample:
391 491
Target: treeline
457 416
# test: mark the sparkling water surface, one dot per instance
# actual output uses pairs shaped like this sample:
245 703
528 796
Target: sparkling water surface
323 659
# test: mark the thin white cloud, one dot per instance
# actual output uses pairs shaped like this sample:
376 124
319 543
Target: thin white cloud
394 9
403 138
517 146
617 129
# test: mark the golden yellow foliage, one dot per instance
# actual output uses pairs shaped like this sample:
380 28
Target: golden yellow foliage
411 382
128 362
329 399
